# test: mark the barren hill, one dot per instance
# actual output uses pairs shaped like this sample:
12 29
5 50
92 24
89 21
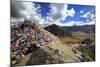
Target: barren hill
57 30
53 53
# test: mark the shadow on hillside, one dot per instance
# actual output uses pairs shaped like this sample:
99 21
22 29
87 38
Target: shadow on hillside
38 57
46 55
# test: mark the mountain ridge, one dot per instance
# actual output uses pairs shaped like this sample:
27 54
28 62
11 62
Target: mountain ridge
58 51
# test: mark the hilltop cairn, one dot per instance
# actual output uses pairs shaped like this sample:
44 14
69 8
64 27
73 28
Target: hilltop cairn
45 48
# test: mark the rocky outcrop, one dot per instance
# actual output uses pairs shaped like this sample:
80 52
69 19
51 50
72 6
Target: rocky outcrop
53 53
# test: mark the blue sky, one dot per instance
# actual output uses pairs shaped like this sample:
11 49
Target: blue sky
44 8
53 13
79 10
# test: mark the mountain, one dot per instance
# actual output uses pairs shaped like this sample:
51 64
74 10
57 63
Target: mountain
57 30
53 53
84 28
66 30
72 34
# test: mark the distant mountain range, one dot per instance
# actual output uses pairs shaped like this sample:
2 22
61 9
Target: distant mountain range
67 30
84 28
57 30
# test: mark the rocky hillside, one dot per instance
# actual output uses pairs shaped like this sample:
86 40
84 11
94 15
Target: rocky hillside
57 30
53 53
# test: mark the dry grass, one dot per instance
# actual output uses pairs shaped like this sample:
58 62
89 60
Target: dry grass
76 37
69 40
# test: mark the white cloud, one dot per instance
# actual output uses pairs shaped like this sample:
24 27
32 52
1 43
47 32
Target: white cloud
90 14
90 23
71 12
57 12
72 23
64 12
60 12
90 20
42 21
16 20
22 10
85 15
82 11
90 17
